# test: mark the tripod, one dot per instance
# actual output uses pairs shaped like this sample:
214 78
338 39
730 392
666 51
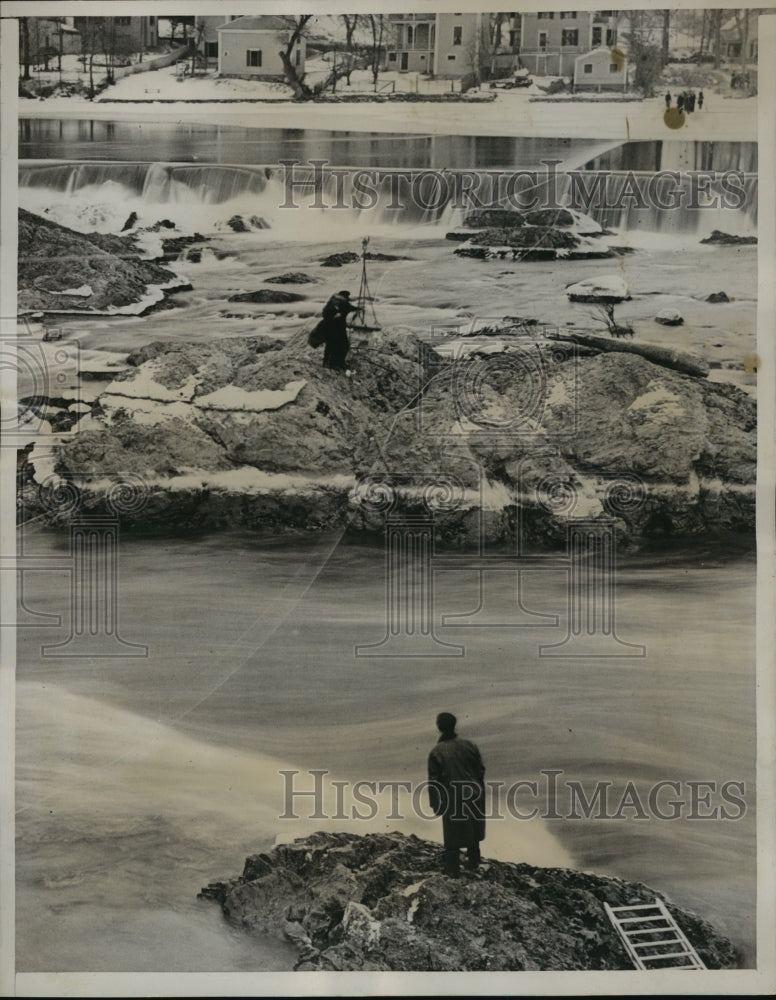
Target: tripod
364 299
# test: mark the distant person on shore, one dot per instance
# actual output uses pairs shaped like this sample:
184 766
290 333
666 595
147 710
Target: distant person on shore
457 794
700 100
668 99
337 345
680 102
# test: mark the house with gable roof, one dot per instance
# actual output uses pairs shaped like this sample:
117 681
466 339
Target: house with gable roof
249 47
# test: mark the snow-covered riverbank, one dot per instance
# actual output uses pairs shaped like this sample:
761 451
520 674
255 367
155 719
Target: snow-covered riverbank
511 113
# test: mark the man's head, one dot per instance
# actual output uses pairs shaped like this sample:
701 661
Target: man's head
445 722
345 294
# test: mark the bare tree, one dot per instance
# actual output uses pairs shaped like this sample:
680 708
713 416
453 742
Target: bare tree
495 23
665 37
90 33
716 22
643 55
351 23
377 24
295 81
742 25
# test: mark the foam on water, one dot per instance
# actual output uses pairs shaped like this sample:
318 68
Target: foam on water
121 820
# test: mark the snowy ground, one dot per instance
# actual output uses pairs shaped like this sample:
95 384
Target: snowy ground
511 113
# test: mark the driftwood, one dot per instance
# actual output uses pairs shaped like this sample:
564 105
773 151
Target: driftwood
668 357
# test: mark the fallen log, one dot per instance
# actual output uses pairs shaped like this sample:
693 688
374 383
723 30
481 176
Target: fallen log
668 357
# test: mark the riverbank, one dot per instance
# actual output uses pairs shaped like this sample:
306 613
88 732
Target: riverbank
511 113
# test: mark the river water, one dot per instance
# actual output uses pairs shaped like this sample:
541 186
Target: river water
142 778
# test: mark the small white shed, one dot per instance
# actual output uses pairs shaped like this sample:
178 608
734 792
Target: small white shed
601 69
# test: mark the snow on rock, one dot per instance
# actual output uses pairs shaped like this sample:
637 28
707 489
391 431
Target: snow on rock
669 317
233 398
83 291
210 427
603 288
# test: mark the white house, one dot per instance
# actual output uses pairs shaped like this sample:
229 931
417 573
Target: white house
250 46
601 69
448 46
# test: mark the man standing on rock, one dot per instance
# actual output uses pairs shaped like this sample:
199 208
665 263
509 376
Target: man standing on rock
335 314
457 794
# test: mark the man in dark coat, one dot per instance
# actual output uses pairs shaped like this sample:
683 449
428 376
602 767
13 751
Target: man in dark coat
668 99
335 314
457 794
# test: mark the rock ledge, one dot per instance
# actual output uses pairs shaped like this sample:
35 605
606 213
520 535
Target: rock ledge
378 902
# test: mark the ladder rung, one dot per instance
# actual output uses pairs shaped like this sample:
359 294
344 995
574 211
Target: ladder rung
642 920
639 906
670 954
656 944
651 930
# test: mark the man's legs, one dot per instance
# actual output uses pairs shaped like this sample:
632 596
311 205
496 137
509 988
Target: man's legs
473 856
452 862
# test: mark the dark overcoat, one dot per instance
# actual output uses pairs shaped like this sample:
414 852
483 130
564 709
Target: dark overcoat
457 791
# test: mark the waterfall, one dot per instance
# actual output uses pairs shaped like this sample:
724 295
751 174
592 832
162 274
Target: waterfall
666 199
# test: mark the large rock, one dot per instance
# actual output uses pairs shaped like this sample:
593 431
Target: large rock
379 902
609 288
266 295
54 260
718 238
251 432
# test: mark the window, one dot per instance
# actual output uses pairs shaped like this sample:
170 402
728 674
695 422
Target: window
124 22
605 13
451 58
611 37
297 56
569 36
568 15
391 57
457 35
614 68
514 39
546 15
253 57
588 68
543 41
152 20
409 34
596 36
211 50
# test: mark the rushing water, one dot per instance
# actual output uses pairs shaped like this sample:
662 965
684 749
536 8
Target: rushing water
141 779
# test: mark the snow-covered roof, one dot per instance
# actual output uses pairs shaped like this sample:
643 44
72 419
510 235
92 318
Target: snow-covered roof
262 22
602 51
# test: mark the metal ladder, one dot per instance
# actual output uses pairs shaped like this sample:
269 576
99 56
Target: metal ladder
652 937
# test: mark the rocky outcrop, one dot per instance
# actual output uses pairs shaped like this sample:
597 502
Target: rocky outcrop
338 259
291 278
717 297
606 288
539 234
718 238
54 260
379 903
266 295
257 433
669 317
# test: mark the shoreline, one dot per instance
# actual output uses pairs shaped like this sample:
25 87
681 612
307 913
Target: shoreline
506 116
